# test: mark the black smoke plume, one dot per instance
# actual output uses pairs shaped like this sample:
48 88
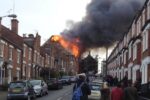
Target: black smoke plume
105 22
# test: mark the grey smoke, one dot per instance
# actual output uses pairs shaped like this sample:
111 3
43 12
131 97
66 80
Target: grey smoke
105 22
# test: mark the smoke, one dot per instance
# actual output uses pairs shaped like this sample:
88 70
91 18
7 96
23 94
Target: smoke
105 23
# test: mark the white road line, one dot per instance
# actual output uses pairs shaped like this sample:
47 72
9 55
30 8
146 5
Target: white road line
60 98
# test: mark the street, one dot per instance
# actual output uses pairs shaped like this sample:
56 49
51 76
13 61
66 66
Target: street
61 94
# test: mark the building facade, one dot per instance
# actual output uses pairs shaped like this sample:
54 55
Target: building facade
24 57
131 56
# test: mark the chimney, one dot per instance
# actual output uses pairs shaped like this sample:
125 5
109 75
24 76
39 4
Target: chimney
14 25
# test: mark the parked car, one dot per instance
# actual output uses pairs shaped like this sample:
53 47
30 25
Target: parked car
66 80
19 90
73 79
95 90
54 83
40 87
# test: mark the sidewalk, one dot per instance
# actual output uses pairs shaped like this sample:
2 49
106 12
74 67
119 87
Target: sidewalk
3 95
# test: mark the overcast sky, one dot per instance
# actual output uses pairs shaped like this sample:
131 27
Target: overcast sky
48 17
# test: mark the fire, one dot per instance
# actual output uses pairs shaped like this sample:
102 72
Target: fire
67 44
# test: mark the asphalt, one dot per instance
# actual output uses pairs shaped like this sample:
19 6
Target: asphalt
3 95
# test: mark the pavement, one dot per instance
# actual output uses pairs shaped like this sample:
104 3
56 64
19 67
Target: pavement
3 95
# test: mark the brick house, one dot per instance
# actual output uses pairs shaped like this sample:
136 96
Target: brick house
134 48
10 52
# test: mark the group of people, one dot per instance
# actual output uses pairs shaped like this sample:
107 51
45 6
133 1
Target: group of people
119 92
123 90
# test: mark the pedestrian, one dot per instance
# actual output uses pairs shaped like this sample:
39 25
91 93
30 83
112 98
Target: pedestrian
105 92
117 93
85 89
115 81
130 92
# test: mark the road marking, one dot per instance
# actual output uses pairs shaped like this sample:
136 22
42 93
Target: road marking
60 98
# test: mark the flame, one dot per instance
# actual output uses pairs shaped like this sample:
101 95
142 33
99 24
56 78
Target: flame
67 44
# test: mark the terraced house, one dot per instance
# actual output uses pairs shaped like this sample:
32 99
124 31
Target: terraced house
24 57
131 56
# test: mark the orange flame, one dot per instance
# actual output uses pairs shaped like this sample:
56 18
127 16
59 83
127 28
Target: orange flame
66 44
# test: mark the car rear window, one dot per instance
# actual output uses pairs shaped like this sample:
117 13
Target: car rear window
35 82
95 87
17 85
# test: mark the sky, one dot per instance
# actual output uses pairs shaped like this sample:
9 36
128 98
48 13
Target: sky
47 17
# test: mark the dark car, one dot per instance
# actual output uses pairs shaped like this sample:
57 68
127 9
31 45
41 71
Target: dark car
54 83
20 90
66 80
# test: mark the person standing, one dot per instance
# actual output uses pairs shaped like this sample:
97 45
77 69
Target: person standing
105 92
85 89
117 93
130 92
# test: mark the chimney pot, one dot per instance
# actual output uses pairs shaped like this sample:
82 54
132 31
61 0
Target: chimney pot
24 35
31 36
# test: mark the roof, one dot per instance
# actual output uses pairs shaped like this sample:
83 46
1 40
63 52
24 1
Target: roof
11 37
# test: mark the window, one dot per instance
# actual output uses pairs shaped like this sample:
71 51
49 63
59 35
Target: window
133 30
124 57
130 50
1 49
139 26
134 51
34 57
30 54
148 11
10 52
143 17
24 51
145 40
18 56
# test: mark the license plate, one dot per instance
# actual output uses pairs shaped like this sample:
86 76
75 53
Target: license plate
16 90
